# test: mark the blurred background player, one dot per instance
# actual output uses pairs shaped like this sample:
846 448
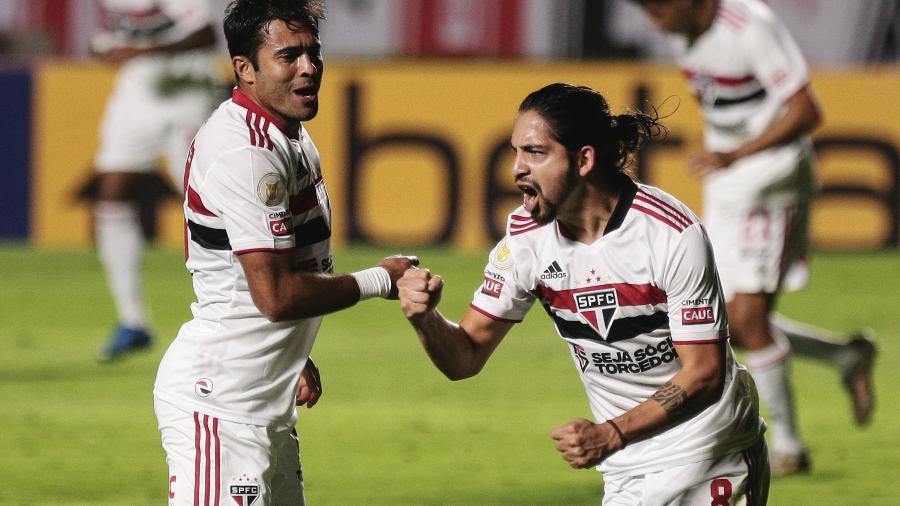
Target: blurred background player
759 181
168 83
626 273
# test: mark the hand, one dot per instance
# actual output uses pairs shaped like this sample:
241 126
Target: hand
419 292
711 161
310 388
396 265
585 444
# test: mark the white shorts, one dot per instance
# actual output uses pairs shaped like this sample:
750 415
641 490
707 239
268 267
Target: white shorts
740 478
763 249
213 461
140 125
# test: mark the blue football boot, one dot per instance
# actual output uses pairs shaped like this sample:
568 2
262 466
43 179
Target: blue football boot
124 340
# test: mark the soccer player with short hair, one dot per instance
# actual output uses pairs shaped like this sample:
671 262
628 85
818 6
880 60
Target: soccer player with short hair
168 83
626 273
258 229
759 182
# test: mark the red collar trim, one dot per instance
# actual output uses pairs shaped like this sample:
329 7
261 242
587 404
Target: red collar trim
238 97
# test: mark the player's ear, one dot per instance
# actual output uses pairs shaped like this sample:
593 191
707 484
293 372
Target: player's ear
585 160
243 69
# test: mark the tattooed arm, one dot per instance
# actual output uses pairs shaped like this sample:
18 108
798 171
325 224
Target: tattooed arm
697 385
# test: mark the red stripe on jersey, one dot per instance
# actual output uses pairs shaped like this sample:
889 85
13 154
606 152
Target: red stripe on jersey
658 216
304 200
722 80
665 207
249 119
524 224
187 167
184 186
195 203
731 17
260 136
628 294
492 317
198 454
779 76
268 138
208 474
267 250
515 217
218 459
523 230
718 340
242 100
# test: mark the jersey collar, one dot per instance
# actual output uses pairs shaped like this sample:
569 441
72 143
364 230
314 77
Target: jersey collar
238 97
626 197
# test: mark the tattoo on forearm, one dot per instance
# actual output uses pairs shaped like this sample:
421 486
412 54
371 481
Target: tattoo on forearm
671 397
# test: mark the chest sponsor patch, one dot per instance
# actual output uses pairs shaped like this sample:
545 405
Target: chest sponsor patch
637 361
492 287
697 315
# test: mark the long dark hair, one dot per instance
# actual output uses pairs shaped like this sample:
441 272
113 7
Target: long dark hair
579 116
245 21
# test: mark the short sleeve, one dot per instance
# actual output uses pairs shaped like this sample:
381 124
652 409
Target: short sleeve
249 191
502 295
696 306
775 57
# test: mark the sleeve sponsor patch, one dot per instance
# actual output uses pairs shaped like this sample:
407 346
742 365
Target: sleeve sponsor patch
697 315
492 287
280 228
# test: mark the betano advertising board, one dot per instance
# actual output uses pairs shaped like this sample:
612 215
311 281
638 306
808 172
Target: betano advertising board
417 152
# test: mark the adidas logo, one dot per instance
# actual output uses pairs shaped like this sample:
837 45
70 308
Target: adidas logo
553 271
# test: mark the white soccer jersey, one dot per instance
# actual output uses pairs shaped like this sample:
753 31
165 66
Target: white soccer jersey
249 186
154 22
621 304
742 70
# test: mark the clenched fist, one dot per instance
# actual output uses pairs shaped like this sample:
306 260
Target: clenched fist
419 291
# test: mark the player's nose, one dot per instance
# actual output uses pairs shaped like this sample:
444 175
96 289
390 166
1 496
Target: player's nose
519 168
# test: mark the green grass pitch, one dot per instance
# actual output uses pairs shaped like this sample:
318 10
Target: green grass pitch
390 428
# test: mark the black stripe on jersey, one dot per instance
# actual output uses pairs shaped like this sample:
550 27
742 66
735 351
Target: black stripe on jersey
311 232
209 238
756 95
622 328
629 189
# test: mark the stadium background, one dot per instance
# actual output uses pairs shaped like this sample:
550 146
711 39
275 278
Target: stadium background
417 109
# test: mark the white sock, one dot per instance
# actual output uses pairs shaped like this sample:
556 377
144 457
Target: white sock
814 342
120 244
770 368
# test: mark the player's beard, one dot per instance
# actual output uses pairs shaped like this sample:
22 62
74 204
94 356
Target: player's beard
546 210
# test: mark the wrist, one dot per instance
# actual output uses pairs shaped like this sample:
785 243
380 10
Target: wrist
373 282
619 433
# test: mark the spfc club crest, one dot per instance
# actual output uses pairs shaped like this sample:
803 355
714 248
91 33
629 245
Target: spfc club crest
598 308
244 490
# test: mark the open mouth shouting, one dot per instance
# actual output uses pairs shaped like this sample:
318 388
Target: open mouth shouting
529 196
